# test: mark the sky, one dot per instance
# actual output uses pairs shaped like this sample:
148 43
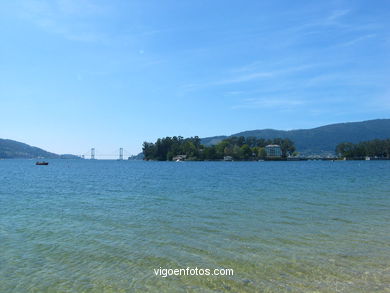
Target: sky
76 74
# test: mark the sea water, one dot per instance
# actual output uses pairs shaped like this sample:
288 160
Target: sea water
107 226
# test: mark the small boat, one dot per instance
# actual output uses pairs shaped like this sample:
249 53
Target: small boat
42 163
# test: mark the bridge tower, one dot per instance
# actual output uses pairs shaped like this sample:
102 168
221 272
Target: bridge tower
92 153
121 154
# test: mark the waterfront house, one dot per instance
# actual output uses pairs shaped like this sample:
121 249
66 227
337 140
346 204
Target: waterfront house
179 158
273 151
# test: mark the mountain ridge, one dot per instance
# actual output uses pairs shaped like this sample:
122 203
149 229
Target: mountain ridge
321 139
12 149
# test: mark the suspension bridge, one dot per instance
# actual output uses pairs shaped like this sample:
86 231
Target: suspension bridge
118 154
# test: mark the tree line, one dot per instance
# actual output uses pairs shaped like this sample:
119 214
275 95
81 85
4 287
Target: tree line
373 148
239 148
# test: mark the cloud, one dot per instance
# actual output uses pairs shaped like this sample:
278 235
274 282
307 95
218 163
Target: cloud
80 7
337 14
66 18
357 40
242 77
334 20
269 103
264 74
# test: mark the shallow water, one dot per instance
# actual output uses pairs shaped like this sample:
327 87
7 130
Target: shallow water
104 226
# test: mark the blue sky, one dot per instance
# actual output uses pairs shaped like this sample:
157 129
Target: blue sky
78 74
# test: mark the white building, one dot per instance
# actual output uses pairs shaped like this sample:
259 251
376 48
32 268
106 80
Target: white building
273 151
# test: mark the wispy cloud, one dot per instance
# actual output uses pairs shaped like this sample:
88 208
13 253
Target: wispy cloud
269 103
345 78
66 18
357 40
336 20
80 20
329 27
337 14
241 77
245 78
81 7
267 74
332 19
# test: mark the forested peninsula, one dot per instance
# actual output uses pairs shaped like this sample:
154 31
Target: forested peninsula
238 148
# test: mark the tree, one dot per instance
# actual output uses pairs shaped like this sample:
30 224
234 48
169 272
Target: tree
261 153
345 149
148 150
373 148
246 152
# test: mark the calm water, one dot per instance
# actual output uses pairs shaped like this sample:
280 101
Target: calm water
103 226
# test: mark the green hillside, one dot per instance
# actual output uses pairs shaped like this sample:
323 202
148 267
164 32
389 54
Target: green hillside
11 149
321 140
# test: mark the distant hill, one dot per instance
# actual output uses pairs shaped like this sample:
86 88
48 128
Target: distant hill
11 149
321 140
